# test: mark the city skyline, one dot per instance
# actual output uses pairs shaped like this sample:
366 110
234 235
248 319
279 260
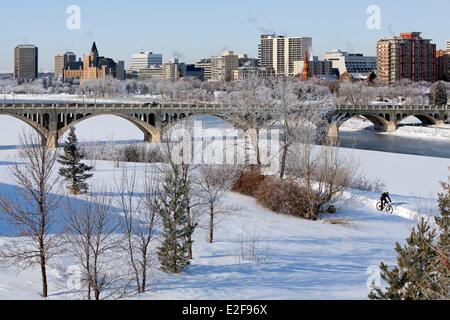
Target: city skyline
201 29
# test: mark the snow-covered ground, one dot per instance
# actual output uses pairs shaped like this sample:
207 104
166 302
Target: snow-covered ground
302 259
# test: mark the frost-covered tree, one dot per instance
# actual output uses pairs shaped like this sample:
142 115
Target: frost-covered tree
173 254
73 170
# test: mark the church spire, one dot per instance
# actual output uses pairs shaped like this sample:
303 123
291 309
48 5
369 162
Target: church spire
94 51
305 71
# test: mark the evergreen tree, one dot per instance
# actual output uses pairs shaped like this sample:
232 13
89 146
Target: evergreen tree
406 281
423 264
73 170
173 254
443 245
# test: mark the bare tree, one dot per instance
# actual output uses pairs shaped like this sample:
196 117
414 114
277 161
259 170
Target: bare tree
324 172
140 218
90 233
213 183
32 209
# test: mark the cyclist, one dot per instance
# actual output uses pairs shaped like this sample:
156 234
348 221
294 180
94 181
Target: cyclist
384 199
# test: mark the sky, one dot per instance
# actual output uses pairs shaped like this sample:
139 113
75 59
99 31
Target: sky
196 29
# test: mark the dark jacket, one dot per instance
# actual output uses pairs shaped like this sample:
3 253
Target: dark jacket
385 196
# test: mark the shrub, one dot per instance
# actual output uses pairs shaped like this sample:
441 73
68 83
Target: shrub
249 181
141 153
282 196
364 184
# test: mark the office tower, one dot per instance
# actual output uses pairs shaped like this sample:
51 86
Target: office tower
144 60
25 62
61 60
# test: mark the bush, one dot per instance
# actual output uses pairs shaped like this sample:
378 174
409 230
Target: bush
282 196
140 153
365 184
249 182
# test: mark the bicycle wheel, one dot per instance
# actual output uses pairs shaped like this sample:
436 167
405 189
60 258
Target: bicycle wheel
379 206
389 209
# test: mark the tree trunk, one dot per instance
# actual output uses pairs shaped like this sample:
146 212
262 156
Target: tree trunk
283 161
190 253
211 224
43 274
144 274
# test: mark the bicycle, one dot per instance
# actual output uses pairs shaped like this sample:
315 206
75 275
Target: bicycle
387 208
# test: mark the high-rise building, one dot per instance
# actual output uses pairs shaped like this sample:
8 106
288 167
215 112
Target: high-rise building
61 60
346 62
25 62
408 56
442 65
205 64
120 70
144 60
280 52
448 46
223 66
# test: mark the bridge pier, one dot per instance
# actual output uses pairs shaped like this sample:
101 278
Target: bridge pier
333 131
387 126
391 127
51 140
152 138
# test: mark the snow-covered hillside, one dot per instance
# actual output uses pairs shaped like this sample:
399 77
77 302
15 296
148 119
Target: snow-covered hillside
328 259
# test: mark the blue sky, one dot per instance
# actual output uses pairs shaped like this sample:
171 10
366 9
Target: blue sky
199 28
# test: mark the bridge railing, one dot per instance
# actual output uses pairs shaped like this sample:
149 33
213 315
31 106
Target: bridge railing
197 106
393 108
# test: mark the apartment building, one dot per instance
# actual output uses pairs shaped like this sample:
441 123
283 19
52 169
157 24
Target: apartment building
280 52
408 56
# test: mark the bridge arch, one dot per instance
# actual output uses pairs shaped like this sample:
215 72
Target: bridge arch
426 119
381 122
41 130
151 133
